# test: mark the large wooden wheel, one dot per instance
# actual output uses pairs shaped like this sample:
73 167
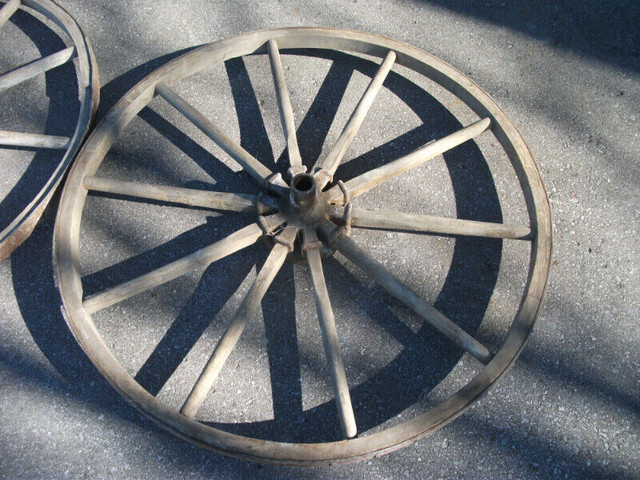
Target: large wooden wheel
306 210
25 199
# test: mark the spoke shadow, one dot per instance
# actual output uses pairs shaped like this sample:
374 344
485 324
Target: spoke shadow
193 319
253 133
403 381
430 111
37 295
224 176
278 307
113 91
149 260
289 422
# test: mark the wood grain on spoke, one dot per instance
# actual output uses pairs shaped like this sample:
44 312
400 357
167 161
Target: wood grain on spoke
236 241
7 10
284 104
245 312
35 68
33 140
332 160
362 183
251 164
393 220
332 345
234 202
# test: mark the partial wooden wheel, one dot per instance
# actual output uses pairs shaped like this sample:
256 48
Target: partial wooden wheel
34 160
166 303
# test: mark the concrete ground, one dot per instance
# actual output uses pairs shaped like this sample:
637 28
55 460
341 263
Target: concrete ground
566 73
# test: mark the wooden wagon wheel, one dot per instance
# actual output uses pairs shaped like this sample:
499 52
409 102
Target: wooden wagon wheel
78 52
303 210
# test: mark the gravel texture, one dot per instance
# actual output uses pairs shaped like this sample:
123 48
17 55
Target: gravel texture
566 73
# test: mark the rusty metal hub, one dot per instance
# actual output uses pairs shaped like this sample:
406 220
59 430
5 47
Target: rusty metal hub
303 205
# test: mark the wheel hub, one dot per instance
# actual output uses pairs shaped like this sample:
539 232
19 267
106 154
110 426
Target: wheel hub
304 205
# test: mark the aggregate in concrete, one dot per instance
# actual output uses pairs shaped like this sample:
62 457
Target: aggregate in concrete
567 74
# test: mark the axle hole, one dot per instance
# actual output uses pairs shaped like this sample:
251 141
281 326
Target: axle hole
304 182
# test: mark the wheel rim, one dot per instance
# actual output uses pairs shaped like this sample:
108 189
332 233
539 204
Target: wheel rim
324 217
86 72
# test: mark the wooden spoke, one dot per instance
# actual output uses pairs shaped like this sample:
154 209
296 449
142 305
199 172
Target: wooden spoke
253 167
284 104
34 140
230 338
35 68
9 9
392 220
234 202
395 287
330 162
236 241
331 345
372 178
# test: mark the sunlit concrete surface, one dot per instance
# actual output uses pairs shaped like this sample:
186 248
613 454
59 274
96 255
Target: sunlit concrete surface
566 73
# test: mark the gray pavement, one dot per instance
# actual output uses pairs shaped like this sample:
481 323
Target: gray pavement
567 74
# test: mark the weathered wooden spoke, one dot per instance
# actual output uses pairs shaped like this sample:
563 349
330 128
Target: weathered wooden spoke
8 10
331 345
395 287
251 164
393 220
35 68
247 309
362 183
33 140
233 202
311 217
284 105
332 160
201 258
79 109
